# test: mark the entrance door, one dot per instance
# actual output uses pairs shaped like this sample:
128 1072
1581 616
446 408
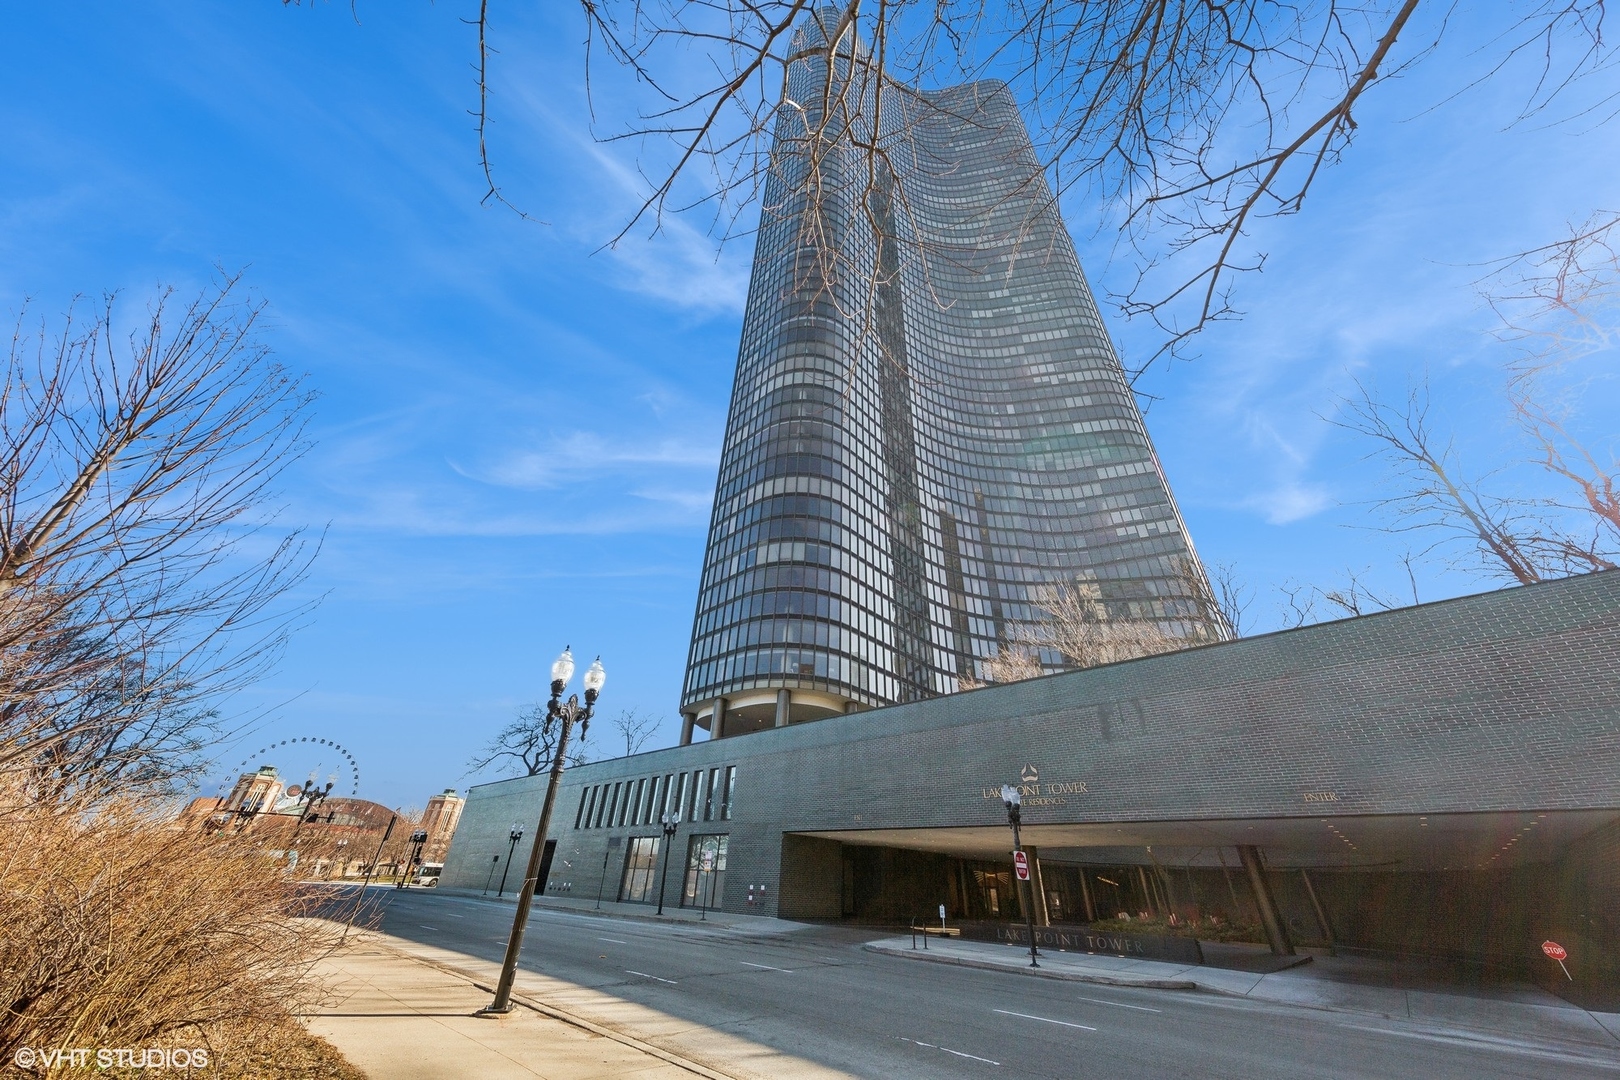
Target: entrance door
545 866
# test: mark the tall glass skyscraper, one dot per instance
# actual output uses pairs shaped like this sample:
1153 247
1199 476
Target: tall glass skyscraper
928 421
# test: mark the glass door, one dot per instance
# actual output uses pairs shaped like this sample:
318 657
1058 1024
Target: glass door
639 862
705 872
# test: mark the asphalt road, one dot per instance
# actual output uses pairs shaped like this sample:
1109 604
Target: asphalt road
813 993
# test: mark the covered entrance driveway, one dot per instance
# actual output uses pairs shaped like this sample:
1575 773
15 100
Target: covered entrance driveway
1484 886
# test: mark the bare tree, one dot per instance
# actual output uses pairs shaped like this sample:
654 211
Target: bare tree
527 746
1434 495
635 728
1082 624
1555 510
1230 597
1353 597
1195 119
143 577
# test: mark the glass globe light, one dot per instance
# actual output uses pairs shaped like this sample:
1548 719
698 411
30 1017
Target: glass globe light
1010 795
595 676
562 669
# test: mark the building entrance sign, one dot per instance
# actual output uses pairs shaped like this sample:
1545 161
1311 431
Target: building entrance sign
1037 792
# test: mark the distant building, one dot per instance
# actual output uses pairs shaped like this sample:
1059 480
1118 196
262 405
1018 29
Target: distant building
255 792
439 820
337 838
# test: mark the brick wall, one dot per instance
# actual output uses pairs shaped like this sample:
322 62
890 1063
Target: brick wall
1505 701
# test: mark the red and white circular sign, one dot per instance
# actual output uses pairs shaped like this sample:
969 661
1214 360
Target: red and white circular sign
1021 864
1554 950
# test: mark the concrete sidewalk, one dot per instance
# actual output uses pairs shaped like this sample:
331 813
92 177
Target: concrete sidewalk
402 1010
398 1017
1511 1010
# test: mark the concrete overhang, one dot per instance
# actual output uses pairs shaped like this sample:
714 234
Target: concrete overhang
1409 843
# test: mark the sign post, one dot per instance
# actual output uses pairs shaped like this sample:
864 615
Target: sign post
1557 952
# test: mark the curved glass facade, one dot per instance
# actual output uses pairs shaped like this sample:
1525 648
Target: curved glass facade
928 420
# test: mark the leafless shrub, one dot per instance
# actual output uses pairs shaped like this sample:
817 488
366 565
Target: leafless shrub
122 930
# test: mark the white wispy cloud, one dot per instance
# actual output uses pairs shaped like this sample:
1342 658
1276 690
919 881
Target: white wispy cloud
1289 502
667 258
582 455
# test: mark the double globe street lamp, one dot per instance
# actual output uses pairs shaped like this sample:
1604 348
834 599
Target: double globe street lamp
1013 800
670 821
562 670
514 835
418 839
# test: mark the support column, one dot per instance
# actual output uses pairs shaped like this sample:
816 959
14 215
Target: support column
1321 913
1085 895
784 701
1147 890
717 722
686 727
851 706
1276 932
1037 883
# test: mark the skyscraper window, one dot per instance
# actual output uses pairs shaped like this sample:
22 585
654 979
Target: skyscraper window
928 423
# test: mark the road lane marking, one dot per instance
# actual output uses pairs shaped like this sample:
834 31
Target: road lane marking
425 926
1045 1020
1119 1004
615 940
654 978
948 1050
765 967
450 916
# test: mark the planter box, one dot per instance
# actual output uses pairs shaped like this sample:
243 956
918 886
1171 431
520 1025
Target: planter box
1079 938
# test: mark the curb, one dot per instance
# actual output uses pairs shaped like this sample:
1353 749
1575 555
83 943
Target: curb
567 1018
1040 973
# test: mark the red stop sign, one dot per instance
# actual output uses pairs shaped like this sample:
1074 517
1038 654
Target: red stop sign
1021 864
1555 950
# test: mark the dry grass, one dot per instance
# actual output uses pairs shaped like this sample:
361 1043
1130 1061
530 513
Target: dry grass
123 931
238 1051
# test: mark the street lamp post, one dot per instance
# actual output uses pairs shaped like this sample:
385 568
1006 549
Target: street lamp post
514 835
418 838
1013 801
669 821
565 712
311 797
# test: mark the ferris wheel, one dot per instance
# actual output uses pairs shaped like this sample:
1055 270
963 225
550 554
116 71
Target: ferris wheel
295 756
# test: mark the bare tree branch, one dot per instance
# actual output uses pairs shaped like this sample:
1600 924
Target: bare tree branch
526 747
635 728
142 575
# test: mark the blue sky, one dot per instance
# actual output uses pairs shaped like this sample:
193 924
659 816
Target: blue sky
518 431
